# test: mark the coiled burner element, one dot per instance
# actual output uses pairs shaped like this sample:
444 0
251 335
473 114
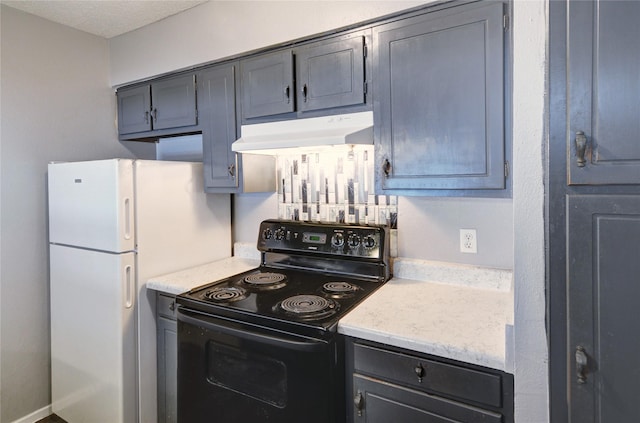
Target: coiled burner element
225 294
309 306
340 288
266 280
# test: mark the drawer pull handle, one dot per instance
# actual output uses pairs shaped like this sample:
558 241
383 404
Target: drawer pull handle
358 401
419 370
581 364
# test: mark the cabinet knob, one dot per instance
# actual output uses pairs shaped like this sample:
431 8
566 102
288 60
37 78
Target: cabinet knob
287 90
581 148
155 115
581 364
419 371
358 401
172 306
386 168
304 92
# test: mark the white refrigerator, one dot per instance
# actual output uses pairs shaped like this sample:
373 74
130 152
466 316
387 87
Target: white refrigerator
113 224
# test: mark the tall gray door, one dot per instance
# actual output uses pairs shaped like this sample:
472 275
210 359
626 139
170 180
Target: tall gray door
593 211
603 277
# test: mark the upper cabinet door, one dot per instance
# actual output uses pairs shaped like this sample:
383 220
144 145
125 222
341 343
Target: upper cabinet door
217 105
174 102
134 108
267 84
439 109
604 92
331 74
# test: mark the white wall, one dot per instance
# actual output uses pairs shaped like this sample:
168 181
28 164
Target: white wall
529 135
219 29
57 104
510 232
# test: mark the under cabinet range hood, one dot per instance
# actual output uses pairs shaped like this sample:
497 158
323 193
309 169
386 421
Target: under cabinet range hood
310 133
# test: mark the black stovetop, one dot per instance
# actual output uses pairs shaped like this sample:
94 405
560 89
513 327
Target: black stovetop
301 290
311 276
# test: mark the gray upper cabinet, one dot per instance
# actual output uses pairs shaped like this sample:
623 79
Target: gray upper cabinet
267 84
217 108
439 106
331 74
603 100
159 106
224 170
134 110
322 75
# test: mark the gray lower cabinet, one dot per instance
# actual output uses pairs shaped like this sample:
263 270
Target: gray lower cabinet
439 100
167 339
393 385
161 107
602 276
317 76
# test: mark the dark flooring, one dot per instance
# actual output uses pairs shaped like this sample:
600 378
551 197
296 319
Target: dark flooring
51 419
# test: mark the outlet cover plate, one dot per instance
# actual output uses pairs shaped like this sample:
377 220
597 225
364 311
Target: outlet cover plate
468 241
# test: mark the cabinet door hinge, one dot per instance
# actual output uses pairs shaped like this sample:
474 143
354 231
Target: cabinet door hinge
366 86
505 22
506 169
364 51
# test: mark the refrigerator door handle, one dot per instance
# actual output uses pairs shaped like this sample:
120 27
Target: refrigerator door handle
127 218
128 287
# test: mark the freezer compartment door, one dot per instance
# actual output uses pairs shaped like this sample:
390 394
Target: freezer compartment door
93 354
91 204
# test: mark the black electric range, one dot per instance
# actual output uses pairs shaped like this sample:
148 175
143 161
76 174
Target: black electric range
310 276
263 345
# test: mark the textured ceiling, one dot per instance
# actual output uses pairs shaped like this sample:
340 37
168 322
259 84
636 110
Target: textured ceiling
106 18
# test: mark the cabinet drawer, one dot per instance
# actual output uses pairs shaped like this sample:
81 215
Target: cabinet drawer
166 306
428 375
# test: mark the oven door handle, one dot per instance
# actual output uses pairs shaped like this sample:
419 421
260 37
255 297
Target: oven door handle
283 341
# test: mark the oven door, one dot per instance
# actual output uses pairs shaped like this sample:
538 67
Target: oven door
232 371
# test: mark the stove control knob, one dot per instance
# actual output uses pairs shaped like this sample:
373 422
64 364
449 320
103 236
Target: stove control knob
267 233
369 242
337 240
279 234
353 240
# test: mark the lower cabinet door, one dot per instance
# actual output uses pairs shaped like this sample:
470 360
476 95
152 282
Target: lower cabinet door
376 401
167 370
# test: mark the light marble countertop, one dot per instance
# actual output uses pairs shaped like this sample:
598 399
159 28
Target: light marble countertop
460 312
469 319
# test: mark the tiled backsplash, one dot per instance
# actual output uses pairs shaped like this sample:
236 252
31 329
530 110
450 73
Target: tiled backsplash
335 185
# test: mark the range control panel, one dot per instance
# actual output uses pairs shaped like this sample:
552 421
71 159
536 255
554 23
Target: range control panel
335 239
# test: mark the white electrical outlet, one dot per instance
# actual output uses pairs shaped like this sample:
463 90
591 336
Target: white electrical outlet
468 241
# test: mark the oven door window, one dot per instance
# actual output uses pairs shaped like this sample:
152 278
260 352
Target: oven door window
245 372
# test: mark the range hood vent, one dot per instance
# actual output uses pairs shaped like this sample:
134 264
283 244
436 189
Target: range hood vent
325 131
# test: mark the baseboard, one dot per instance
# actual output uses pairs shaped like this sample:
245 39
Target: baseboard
35 416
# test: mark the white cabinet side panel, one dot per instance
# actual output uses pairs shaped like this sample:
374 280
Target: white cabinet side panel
93 335
177 226
91 204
